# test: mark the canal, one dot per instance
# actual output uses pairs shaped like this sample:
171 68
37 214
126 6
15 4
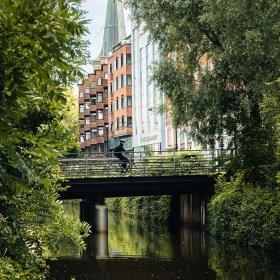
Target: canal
137 250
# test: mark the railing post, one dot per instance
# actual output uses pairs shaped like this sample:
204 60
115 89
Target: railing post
108 169
174 162
86 163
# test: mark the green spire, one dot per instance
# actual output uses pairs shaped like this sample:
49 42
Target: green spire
114 30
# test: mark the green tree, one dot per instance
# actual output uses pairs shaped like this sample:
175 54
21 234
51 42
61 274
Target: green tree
238 96
41 50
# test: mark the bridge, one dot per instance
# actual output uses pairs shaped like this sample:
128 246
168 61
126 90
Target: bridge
186 175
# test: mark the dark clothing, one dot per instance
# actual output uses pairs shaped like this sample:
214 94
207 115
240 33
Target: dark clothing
118 152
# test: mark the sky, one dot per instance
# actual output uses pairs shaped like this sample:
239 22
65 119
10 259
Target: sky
96 14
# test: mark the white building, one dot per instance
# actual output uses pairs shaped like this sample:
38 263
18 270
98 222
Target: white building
148 122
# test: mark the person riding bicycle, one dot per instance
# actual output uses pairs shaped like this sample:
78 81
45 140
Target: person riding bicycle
118 152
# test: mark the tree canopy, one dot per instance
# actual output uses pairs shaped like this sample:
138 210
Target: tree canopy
41 51
237 93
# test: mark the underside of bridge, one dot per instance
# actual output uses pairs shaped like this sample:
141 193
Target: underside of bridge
189 196
85 188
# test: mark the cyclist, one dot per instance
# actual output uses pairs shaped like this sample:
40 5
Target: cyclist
118 152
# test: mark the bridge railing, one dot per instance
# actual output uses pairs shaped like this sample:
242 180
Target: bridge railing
149 163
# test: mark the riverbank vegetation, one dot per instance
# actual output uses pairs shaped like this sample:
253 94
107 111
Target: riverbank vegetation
246 215
220 70
40 53
154 209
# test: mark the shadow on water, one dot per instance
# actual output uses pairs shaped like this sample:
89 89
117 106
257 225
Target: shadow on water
138 251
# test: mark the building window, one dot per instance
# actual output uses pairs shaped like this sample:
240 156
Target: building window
118 124
93 133
87 150
117 83
100 148
122 60
100 81
128 58
111 68
93 116
82 108
100 131
93 148
111 107
117 104
100 114
111 88
87 120
117 63
122 102
129 101
81 94
87 135
100 97
122 81
86 90
111 126
93 84
93 100
128 80
82 138
122 122
129 121
87 105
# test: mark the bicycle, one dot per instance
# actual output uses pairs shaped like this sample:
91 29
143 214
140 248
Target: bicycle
133 167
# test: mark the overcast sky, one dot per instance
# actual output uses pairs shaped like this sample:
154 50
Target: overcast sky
97 13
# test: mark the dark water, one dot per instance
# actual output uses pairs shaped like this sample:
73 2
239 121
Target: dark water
133 251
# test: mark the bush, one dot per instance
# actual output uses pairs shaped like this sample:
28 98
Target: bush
246 214
183 163
11 270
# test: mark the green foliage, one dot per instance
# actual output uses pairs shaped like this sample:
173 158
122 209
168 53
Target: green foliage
238 96
41 48
155 209
231 262
250 216
183 163
11 270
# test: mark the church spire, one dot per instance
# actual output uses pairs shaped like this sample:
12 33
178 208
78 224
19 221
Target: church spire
114 30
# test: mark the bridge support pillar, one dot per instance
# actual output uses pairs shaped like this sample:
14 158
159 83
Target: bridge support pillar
193 209
101 218
94 213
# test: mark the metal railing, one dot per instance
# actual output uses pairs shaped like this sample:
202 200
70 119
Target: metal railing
144 163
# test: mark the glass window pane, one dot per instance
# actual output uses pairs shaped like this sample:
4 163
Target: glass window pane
100 97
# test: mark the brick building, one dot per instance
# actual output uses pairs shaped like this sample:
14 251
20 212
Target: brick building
93 93
120 94
93 109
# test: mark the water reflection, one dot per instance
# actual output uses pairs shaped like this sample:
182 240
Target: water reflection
231 262
127 239
133 251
